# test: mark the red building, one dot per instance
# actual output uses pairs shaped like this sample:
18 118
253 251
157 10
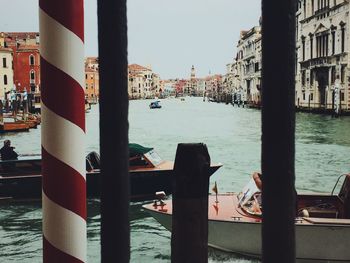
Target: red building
26 59
27 69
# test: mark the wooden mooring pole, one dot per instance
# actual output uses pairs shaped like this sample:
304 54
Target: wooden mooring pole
189 239
63 130
113 62
278 127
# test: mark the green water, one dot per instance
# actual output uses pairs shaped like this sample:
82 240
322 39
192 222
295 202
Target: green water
232 136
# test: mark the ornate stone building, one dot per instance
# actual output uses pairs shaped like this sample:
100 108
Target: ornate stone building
247 66
322 68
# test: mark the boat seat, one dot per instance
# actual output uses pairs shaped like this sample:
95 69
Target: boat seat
344 195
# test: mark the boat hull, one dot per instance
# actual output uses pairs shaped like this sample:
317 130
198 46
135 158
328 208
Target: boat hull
144 183
315 242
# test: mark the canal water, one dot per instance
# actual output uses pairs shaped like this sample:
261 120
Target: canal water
232 136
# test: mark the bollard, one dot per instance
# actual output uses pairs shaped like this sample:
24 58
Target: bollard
189 239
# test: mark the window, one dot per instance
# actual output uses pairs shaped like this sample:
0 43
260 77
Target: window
303 78
4 64
5 79
303 47
342 97
342 36
333 75
256 66
311 77
311 96
311 46
333 42
32 75
303 95
342 73
31 60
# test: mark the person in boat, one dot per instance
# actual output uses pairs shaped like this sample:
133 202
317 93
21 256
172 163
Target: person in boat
7 153
258 182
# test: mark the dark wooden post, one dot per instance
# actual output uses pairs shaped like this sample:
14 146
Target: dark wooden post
112 39
189 239
278 127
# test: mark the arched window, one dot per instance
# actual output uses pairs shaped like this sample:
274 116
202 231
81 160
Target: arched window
31 60
5 79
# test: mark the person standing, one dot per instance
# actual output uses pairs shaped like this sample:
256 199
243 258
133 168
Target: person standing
25 103
14 103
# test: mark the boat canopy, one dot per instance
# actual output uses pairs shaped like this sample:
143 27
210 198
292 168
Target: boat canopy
137 149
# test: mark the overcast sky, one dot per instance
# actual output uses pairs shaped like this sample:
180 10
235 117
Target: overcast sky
169 35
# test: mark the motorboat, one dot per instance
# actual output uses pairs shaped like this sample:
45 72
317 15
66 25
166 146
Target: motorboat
322 223
155 105
148 172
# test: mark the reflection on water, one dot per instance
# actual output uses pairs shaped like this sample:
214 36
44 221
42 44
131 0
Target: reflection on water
232 136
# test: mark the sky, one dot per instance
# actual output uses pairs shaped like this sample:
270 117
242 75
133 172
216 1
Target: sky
169 35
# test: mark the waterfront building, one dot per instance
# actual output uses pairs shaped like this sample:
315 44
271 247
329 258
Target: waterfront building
142 82
247 66
27 68
180 87
201 87
322 70
92 63
6 70
229 78
92 88
169 88
214 85
26 59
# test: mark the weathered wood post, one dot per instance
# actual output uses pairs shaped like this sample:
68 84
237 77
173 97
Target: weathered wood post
278 126
63 130
189 239
112 38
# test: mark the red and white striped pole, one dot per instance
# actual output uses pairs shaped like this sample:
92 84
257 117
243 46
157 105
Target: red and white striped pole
63 130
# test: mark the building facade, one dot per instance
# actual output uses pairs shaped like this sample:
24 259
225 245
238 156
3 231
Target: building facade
6 71
322 68
247 67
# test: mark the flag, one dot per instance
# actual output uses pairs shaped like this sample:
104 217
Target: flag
215 188
216 207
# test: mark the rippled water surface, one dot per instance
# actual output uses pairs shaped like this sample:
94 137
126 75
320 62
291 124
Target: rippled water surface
232 136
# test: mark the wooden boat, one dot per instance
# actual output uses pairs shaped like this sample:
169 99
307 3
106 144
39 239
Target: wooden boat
13 126
322 224
148 174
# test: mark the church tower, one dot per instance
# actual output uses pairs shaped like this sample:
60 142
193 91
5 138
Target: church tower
193 82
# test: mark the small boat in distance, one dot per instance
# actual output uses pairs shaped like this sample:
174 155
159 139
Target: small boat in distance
322 225
155 105
149 173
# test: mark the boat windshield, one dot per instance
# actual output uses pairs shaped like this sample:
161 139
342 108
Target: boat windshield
153 158
247 193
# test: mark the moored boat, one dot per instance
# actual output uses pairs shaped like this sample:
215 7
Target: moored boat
148 174
322 225
155 105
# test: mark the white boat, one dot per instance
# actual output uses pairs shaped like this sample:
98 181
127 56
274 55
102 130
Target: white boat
322 225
